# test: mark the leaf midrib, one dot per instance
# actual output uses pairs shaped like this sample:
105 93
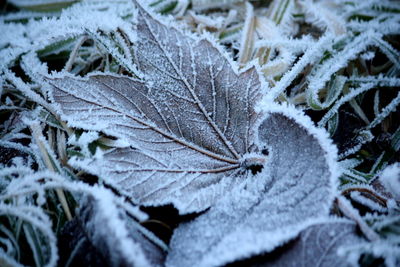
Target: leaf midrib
194 95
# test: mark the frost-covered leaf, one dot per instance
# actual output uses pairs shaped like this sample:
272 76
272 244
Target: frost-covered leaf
318 245
295 188
115 236
189 120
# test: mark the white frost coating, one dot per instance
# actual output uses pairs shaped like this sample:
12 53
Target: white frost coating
172 27
14 145
313 54
25 89
385 27
38 2
353 93
391 107
379 80
209 4
33 182
381 248
358 197
294 190
296 46
274 39
37 34
368 55
324 72
390 178
317 245
333 92
119 143
349 211
188 121
22 14
320 14
34 68
83 141
392 54
320 134
109 209
362 138
108 222
281 12
38 219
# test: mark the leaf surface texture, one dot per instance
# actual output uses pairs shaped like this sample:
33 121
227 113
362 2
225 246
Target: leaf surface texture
318 245
189 119
293 190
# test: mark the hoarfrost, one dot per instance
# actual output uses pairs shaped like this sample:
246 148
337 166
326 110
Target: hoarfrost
321 15
18 39
187 132
270 208
189 121
109 222
390 179
358 197
318 245
83 141
192 128
115 235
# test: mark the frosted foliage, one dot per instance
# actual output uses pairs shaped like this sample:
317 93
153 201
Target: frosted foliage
294 189
18 39
318 245
198 81
116 236
189 120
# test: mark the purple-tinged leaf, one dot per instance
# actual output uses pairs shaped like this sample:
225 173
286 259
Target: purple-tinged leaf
189 120
294 189
318 245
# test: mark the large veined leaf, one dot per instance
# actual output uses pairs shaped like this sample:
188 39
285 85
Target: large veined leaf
294 189
189 120
318 245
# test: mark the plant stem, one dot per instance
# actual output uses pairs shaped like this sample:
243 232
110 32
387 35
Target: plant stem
350 212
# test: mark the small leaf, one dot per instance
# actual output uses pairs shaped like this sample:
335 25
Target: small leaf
189 120
295 188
